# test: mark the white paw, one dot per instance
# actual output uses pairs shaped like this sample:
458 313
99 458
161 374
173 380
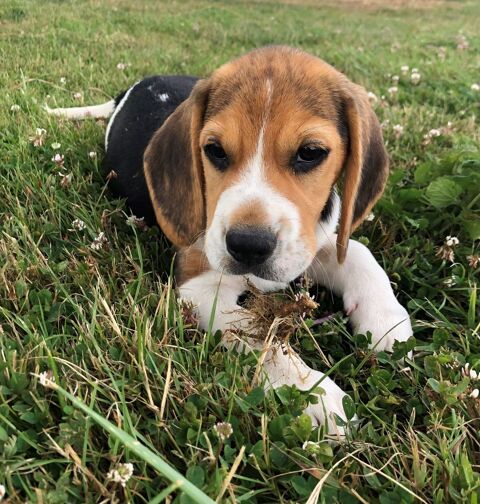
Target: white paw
383 316
214 297
328 407
234 318
284 367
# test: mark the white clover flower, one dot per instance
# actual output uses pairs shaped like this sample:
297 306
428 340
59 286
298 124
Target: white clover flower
473 260
404 69
223 430
370 217
39 138
63 80
372 97
392 90
433 133
99 241
46 379
415 77
56 146
473 374
473 87
58 159
15 107
122 66
78 225
135 221
474 393
395 79
78 95
121 474
452 241
92 154
445 252
462 43
398 130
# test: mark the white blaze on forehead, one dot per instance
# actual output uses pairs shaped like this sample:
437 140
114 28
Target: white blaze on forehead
256 163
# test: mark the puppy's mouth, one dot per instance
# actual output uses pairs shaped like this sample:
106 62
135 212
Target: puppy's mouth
259 252
265 270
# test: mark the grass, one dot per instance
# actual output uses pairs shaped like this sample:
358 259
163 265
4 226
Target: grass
107 325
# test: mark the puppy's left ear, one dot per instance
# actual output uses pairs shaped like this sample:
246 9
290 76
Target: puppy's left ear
366 167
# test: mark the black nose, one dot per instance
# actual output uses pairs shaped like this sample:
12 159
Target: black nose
250 245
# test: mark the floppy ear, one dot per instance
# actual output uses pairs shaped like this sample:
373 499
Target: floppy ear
173 170
366 166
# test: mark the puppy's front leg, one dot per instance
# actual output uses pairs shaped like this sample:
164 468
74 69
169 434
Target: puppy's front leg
215 294
367 294
284 367
215 298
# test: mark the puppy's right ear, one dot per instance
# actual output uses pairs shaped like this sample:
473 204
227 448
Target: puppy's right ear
173 170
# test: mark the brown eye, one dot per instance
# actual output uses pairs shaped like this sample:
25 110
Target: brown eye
217 156
308 157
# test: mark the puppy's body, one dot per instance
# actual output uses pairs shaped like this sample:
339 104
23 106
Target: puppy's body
139 112
239 171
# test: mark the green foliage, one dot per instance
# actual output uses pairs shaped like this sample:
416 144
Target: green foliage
106 324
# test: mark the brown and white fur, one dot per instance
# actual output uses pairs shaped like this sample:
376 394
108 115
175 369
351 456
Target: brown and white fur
260 111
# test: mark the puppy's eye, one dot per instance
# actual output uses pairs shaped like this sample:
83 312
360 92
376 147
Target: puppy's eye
308 157
215 153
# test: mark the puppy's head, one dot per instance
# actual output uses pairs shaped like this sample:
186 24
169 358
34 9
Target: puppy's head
251 159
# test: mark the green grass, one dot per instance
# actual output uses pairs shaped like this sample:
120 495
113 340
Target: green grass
106 322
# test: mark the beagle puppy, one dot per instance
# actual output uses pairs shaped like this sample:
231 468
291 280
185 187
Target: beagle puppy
239 170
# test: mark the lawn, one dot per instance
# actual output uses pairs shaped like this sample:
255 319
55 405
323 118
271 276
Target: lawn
103 320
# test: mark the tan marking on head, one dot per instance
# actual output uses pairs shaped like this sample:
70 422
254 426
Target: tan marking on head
252 213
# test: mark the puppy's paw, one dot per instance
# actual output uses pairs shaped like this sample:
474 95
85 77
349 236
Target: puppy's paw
384 317
329 405
234 318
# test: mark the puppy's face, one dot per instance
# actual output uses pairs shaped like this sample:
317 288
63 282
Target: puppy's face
271 152
269 136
